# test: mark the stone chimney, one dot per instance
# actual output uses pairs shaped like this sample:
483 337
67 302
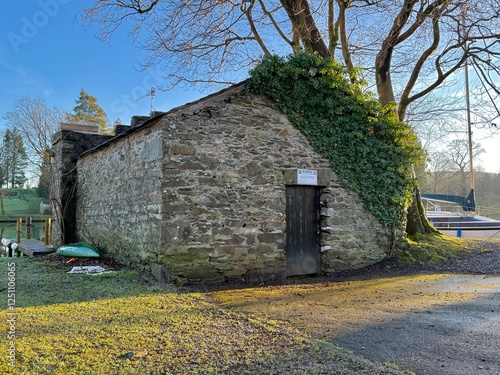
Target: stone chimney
67 146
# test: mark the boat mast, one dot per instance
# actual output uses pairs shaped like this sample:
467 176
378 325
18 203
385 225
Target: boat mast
469 123
470 200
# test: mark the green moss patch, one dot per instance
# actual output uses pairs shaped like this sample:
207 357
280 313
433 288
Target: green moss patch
436 248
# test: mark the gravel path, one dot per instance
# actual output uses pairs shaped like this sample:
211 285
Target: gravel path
446 339
485 262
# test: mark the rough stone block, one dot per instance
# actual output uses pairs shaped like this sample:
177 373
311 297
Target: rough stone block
265 274
271 237
179 149
161 272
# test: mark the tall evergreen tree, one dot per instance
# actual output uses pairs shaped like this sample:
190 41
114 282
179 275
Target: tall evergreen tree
87 111
14 160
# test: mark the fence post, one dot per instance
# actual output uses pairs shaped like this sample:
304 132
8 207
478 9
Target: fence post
19 229
28 228
47 231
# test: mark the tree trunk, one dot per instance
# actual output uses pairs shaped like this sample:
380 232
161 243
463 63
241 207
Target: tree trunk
302 19
417 221
303 24
383 74
344 42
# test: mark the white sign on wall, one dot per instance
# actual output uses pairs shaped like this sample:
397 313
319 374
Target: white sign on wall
307 177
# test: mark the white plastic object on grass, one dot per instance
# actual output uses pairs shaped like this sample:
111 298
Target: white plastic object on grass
90 270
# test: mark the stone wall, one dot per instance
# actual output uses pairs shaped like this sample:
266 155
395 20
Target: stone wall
351 237
119 201
199 195
224 189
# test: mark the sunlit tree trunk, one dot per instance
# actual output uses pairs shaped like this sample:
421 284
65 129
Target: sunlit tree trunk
300 15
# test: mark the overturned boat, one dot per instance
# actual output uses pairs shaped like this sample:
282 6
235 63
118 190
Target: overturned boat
78 250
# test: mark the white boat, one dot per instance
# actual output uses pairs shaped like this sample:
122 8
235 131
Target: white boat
454 224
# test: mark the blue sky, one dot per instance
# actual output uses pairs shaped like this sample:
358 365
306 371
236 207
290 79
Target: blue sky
45 52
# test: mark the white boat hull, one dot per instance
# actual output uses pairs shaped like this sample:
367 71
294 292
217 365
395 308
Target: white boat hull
464 226
471 232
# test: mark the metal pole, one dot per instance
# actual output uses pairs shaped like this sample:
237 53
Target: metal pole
469 123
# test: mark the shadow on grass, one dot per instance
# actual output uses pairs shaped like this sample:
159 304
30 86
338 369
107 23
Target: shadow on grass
39 282
120 324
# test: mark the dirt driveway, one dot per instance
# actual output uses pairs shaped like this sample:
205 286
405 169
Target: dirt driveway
430 321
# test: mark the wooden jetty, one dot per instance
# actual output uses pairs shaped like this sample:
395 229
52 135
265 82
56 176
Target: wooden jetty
35 248
29 246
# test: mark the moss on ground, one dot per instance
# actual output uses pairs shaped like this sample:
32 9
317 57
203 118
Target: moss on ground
436 248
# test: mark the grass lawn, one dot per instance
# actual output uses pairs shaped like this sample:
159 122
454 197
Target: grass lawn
121 323
21 203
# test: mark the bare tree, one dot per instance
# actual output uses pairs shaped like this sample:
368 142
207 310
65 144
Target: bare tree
207 41
440 165
459 153
488 194
414 46
36 122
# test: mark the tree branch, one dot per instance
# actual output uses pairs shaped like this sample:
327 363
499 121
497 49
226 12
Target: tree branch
300 14
405 99
277 27
248 14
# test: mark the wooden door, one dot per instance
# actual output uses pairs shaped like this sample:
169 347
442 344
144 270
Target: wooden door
302 247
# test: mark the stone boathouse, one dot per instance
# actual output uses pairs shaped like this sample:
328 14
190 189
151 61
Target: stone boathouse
221 189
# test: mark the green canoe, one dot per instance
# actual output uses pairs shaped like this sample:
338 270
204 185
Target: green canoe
78 250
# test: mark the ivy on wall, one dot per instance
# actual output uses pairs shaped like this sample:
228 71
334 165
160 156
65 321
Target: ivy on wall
368 148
